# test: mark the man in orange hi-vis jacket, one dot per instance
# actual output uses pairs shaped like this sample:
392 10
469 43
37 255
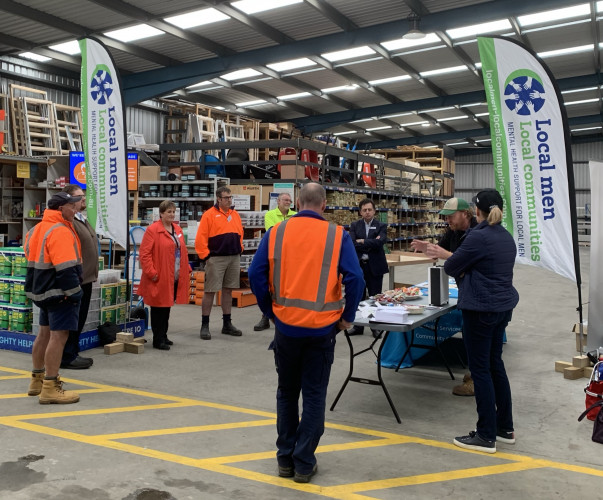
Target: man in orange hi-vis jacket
54 276
297 276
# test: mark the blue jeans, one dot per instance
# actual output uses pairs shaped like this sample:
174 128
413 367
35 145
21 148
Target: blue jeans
483 334
303 364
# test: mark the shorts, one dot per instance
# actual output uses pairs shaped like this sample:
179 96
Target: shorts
222 271
61 316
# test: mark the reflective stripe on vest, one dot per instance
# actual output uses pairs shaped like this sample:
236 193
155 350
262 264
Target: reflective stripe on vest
40 264
320 304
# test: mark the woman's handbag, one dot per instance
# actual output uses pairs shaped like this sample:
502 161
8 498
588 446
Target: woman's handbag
598 425
594 392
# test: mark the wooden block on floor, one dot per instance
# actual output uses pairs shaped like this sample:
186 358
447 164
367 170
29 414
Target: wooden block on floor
587 371
580 361
134 347
124 337
139 340
561 365
114 348
573 372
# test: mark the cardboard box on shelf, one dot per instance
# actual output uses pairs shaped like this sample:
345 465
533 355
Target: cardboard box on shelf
292 171
148 173
253 190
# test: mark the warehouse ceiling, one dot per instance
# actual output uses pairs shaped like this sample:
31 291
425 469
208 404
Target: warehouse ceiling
337 67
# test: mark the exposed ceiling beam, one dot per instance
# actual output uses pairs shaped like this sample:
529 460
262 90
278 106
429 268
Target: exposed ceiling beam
145 17
461 134
138 88
328 120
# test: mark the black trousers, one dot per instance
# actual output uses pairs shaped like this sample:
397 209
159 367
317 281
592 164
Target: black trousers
160 322
72 346
374 284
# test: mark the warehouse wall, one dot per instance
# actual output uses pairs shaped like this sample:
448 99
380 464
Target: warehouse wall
475 172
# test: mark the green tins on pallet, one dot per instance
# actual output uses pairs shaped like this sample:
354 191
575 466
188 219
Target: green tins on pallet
120 314
121 292
6 264
108 294
4 314
107 314
19 265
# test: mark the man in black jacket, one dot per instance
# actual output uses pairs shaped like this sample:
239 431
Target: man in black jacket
369 235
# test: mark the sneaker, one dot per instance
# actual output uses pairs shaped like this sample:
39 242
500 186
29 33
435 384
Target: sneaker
230 329
263 324
53 393
474 442
78 363
505 437
285 471
305 478
464 389
205 335
35 386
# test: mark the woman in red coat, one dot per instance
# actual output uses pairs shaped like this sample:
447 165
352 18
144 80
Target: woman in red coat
165 271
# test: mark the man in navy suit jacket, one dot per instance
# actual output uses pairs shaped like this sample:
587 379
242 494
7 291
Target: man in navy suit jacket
369 235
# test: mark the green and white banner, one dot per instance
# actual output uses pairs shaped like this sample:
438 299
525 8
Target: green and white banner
104 143
531 158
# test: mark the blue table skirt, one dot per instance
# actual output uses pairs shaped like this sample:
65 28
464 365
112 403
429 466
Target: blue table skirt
396 343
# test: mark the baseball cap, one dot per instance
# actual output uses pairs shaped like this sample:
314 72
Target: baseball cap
487 199
454 205
60 199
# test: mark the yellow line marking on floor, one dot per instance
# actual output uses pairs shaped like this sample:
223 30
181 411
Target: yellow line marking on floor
25 395
437 477
13 377
220 464
186 430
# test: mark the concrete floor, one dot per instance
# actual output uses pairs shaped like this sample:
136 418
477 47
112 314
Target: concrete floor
197 422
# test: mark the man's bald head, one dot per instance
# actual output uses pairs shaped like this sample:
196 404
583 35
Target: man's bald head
313 196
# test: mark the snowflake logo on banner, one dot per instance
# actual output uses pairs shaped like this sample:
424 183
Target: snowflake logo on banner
524 94
101 85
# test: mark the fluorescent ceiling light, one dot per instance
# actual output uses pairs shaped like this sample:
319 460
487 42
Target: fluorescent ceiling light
478 29
452 118
473 104
397 115
586 128
197 18
403 43
567 50
250 103
254 6
34 57
132 33
443 71
365 120
456 143
586 89
70 48
221 108
599 6
346 132
241 73
289 97
303 62
483 140
554 15
426 124
389 80
200 84
339 89
583 101
412 124
378 128
481 114
348 53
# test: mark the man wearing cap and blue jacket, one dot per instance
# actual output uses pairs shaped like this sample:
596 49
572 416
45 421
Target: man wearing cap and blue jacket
459 217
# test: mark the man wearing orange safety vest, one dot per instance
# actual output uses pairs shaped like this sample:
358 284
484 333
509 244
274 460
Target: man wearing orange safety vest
297 276
54 276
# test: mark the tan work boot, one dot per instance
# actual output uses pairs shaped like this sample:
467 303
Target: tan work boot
53 393
466 388
35 386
